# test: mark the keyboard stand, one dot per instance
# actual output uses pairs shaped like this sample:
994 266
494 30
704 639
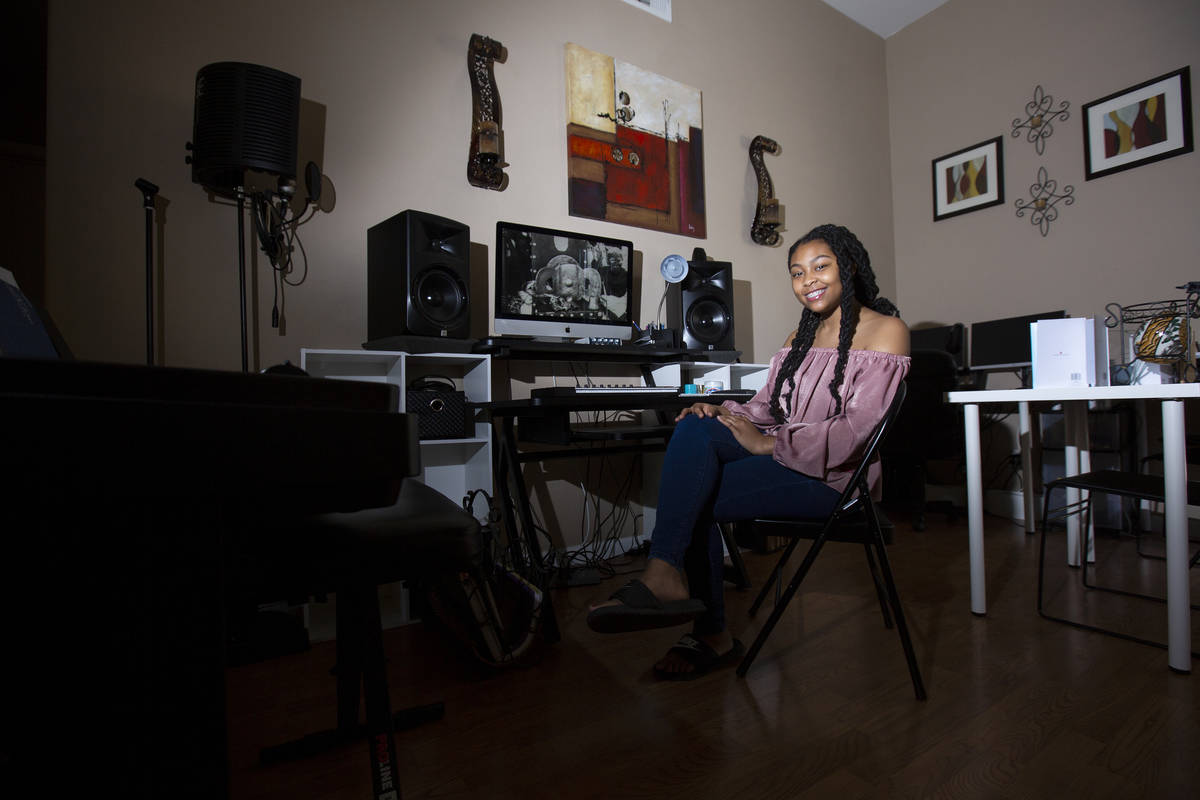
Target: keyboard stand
620 433
557 429
546 420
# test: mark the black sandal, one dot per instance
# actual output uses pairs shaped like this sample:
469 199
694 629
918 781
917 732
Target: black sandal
702 658
639 610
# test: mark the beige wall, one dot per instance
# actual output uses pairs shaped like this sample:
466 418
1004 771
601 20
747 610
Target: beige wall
393 79
859 120
961 75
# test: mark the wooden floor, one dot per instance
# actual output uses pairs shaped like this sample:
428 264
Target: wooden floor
1019 707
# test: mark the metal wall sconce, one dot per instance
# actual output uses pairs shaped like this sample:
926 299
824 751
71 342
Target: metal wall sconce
485 164
768 213
1043 207
1038 119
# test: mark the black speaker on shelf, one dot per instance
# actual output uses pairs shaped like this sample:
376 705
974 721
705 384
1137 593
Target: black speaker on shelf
246 117
700 306
418 277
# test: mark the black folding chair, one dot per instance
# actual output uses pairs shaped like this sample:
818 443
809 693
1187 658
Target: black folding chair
855 518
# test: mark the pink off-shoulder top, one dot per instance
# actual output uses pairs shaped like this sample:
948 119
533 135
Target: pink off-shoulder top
814 441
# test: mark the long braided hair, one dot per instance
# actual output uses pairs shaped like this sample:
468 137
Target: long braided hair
858 289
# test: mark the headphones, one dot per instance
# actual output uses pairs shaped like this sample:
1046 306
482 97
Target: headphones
436 382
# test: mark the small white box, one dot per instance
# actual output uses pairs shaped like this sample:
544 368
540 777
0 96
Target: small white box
1069 352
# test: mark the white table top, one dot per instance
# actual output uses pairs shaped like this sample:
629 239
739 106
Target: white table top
1155 391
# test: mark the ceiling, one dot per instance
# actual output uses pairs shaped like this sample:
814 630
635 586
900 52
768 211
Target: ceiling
885 17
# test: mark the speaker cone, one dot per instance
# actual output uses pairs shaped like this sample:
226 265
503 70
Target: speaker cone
439 297
709 320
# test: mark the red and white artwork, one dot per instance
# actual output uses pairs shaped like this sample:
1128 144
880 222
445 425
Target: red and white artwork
635 146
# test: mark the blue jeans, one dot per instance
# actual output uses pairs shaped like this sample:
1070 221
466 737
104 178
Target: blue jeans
707 477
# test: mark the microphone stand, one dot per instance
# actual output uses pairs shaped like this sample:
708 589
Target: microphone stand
241 226
149 190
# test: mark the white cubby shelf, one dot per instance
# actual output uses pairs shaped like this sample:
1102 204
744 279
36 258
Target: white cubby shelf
454 467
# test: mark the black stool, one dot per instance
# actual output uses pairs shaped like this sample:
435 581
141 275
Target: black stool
351 554
1134 485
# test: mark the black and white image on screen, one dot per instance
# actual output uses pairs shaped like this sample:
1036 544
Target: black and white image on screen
546 276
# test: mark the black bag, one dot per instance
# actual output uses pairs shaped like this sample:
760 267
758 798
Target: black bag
441 410
494 611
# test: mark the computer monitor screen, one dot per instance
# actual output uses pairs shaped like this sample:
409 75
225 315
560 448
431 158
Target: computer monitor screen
1004 343
950 338
557 284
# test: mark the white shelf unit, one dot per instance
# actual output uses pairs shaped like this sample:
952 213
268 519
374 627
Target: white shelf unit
452 466
733 376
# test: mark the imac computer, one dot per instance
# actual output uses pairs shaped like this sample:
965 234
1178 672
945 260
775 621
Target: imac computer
1003 344
558 285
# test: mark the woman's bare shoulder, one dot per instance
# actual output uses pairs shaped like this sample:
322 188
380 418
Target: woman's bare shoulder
882 333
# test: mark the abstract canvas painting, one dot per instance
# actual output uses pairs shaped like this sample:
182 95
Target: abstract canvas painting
635 146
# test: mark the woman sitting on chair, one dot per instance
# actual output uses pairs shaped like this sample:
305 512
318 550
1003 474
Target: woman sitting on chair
788 451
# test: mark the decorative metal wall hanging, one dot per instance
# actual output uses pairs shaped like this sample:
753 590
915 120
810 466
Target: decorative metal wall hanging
768 213
1039 118
485 164
1043 207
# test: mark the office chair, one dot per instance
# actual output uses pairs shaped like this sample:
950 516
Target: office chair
855 518
1137 486
927 428
951 339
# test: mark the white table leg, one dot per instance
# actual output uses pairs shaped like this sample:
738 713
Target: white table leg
1027 467
1070 469
1083 441
1179 625
975 508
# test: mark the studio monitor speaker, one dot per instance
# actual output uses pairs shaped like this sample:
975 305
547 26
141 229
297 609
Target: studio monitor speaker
246 117
418 277
700 306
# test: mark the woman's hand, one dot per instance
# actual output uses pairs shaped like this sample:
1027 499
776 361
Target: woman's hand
748 436
703 410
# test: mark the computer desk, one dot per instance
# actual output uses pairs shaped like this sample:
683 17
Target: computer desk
1074 401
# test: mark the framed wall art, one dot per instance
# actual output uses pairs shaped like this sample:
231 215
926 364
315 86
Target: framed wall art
969 179
635 146
1138 125
659 8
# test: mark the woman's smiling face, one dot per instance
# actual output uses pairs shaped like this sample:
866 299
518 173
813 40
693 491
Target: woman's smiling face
816 279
